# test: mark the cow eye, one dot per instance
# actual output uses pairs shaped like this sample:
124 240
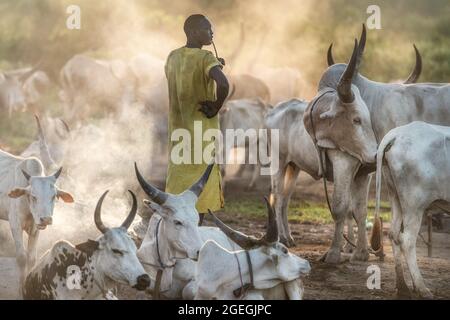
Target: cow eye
357 121
284 250
120 253
178 223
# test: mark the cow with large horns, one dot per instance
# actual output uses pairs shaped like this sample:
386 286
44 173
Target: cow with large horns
172 233
389 106
89 270
412 78
27 200
327 119
263 264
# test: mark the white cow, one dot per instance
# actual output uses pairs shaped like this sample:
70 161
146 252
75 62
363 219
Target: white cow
263 264
87 83
173 236
27 199
297 153
389 106
91 269
244 116
416 164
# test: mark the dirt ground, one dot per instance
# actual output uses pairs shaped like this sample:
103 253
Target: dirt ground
344 281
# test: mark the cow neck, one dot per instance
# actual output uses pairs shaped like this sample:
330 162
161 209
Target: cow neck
97 276
161 264
242 291
321 152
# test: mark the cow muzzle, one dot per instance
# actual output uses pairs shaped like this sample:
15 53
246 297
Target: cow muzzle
44 222
142 282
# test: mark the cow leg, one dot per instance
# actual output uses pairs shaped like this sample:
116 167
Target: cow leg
360 188
394 235
255 175
294 289
290 178
32 248
412 221
277 184
344 167
348 248
21 256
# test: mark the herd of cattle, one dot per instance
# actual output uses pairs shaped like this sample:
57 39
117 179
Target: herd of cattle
353 127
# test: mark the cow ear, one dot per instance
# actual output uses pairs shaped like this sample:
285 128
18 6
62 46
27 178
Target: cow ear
271 253
330 114
326 143
88 247
67 197
154 207
18 192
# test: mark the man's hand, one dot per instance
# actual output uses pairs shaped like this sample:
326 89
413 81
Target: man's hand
222 61
209 108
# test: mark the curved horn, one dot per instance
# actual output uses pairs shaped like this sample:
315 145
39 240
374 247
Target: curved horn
66 126
415 74
361 46
244 241
57 173
26 175
126 224
272 228
40 131
330 58
46 157
155 195
344 87
98 213
197 187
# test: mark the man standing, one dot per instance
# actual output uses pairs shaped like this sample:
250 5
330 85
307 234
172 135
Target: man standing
197 90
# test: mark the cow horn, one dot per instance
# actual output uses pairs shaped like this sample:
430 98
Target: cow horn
155 195
272 228
361 46
197 187
26 175
330 58
344 87
66 126
40 131
244 241
415 74
57 173
98 214
126 224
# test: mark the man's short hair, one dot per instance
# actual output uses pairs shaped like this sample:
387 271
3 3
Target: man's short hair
193 22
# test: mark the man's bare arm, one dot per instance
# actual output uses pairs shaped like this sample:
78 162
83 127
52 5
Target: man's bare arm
211 108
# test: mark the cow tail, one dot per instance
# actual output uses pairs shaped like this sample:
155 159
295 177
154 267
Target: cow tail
376 238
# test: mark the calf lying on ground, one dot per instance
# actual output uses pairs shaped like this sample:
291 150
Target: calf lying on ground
264 263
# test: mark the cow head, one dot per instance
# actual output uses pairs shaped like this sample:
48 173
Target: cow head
114 253
42 194
339 118
279 264
179 227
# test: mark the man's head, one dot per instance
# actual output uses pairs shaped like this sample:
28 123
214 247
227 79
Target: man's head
198 29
